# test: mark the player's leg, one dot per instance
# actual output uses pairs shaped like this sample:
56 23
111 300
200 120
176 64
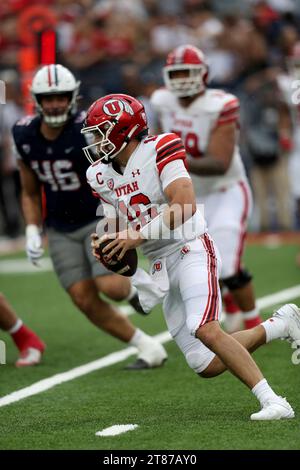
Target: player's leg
150 352
241 287
228 229
75 273
233 317
118 288
28 343
199 288
202 303
285 323
85 295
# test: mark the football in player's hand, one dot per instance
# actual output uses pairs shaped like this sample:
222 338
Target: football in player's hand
126 266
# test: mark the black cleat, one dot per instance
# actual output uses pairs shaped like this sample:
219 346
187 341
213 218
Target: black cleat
139 364
135 303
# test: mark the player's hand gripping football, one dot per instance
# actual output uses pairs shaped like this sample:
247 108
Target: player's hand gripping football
95 245
120 243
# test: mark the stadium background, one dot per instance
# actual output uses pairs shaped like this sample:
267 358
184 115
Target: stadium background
120 46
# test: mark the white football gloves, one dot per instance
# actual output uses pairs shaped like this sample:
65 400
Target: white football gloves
34 247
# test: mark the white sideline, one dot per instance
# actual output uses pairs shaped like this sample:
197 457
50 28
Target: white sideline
119 356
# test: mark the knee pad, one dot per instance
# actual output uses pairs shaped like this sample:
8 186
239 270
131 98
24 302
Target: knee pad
238 280
194 360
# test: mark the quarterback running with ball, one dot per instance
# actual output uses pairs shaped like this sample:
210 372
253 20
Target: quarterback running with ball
144 179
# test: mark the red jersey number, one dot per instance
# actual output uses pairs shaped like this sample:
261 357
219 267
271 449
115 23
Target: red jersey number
191 143
135 213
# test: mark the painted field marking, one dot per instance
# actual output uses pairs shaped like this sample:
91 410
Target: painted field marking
23 266
116 429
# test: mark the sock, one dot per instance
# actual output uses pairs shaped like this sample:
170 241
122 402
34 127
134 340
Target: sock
132 293
263 392
230 305
138 338
252 318
275 328
16 327
24 338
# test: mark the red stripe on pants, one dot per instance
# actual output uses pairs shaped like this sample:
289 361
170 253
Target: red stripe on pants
243 224
212 306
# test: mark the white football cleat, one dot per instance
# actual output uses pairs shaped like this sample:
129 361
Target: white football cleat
150 354
275 409
153 353
290 313
29 357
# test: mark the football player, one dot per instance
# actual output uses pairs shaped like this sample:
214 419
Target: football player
207 122
30 346
49 147
145 180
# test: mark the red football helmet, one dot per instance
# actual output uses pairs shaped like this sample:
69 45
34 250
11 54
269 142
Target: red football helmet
186 58
114 121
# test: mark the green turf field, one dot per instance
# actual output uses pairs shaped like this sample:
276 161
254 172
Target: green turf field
173 408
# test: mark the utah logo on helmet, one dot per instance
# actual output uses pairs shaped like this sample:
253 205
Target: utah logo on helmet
114 107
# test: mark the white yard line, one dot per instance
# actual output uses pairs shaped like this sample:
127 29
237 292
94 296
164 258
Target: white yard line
119 356
278 297
116 429
50 382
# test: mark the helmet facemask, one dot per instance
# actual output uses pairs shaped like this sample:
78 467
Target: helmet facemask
101 148
60 119
190 85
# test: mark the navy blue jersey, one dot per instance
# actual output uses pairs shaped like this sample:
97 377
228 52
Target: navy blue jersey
60 166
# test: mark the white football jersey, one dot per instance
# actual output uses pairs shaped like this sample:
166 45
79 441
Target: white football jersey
138 193
194 125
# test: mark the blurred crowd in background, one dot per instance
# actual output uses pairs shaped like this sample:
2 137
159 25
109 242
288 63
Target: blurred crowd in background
121 46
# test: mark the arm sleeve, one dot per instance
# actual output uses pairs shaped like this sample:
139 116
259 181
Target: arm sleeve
172 171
